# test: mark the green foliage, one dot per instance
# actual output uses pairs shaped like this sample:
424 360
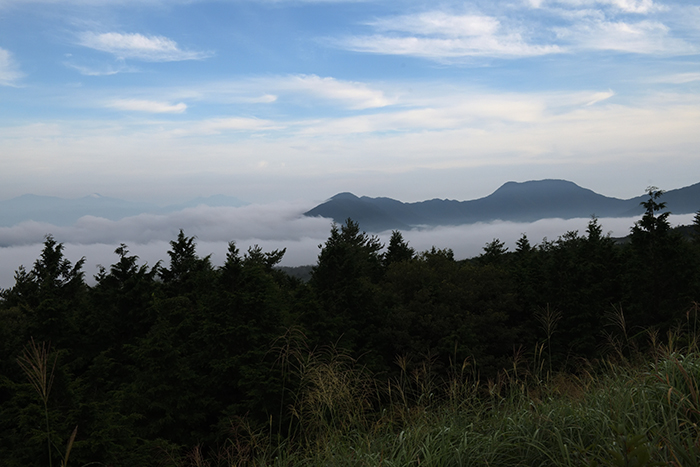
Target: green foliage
345 281
48 294
449 310
660 271
493 252
398 250
652 225
388 357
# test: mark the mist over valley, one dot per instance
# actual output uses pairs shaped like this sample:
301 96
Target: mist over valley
296 226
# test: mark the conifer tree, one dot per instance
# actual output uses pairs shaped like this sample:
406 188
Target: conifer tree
659 267
398 250
345 279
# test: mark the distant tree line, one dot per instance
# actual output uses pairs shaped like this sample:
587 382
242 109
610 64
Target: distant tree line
155 358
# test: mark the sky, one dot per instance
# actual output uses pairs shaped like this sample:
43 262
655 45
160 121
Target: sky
284 103
270 100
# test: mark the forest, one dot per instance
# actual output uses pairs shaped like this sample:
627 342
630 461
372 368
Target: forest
183 363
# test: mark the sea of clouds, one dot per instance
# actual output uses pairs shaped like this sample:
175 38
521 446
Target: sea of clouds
271 226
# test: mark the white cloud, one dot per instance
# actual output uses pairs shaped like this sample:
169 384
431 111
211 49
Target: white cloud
219 125
353 94
464 112
301 90
627 6
600 96
139 47
444 49
264 99
9 70
634 6
441 24
643 37
440 36
279 221
147 106
679 78
101 70
449 129
99 3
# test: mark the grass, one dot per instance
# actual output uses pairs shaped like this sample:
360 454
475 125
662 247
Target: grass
39 368
629 416
626 412
632 409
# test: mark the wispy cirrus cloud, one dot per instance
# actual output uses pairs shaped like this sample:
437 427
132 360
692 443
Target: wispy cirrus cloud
600 96
642 37
99 3
634 6
215 126
627 6
101 70
460 113
441 36
9 70
355 95
140 105
440 23
299 88
263 99
449 49
139 47
678 78
582 25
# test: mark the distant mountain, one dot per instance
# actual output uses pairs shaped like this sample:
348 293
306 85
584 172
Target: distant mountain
518 202
63 212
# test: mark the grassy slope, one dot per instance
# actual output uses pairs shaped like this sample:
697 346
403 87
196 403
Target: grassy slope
619 414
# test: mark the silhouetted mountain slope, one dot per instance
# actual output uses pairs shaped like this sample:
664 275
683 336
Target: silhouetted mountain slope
519 202
363 210
529 201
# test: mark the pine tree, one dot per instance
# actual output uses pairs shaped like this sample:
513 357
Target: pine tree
660 268
345 280
398 250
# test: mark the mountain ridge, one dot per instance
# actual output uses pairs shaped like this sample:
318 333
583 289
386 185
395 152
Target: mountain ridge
527 201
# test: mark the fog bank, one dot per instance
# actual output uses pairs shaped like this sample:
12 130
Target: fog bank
272 226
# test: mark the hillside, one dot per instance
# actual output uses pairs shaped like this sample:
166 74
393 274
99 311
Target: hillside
518 202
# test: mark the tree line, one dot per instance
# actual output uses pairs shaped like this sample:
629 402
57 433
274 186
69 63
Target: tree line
151 359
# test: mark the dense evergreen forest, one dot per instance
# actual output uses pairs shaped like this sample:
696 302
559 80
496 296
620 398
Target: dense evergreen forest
154 361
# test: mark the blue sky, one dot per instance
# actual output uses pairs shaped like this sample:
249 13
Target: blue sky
298 100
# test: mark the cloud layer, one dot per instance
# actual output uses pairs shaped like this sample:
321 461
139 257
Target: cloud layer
273 226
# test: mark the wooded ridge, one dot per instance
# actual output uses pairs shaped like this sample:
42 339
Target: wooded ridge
161 362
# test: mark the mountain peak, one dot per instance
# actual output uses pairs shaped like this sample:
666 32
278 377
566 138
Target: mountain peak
344 196
513 201
547 185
